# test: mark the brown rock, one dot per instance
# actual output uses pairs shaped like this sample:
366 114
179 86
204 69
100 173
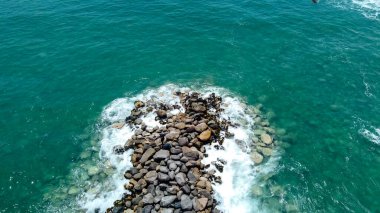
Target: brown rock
201 127
205 135
199 204
257 157
190 153
180 125
118 125
161 113
139 104
267 139
151 176
147 154
173 135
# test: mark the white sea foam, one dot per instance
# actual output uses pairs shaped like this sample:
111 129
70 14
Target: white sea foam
369 8
239 173
372 134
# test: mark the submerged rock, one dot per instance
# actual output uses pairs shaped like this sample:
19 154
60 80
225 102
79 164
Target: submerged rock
267 139
257 158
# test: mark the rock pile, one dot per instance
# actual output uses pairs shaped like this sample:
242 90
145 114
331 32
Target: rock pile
167 174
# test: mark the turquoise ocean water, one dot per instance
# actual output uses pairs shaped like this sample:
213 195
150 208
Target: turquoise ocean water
314 67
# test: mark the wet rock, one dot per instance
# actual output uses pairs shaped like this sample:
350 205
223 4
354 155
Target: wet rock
93 170
73 190
267 139
118 125
265 151
139 104
198 107
118 149
257 158
161 113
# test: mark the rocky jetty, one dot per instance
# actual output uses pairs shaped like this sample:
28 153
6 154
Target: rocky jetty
167 173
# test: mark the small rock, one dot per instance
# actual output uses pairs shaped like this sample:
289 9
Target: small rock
139 104
180 178
173 135
167 210
163 177
205 136
118 125
201 127
93 170
180 125
167 200
190 153
161 113
186 203
183 141
151 176
198 107
147 154
118 149
199 204
161 155
148 199
257 157
267 139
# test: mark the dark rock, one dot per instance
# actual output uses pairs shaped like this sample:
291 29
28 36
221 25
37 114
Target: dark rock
148 199
198 107
186 202
183 141
161 155
167 146
163 177
147 209
161 113
167 200
180 178
147 154
118 149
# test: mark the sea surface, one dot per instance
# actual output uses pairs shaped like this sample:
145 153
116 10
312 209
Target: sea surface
68 69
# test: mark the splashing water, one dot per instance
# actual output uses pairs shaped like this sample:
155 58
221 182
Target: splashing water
233 194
